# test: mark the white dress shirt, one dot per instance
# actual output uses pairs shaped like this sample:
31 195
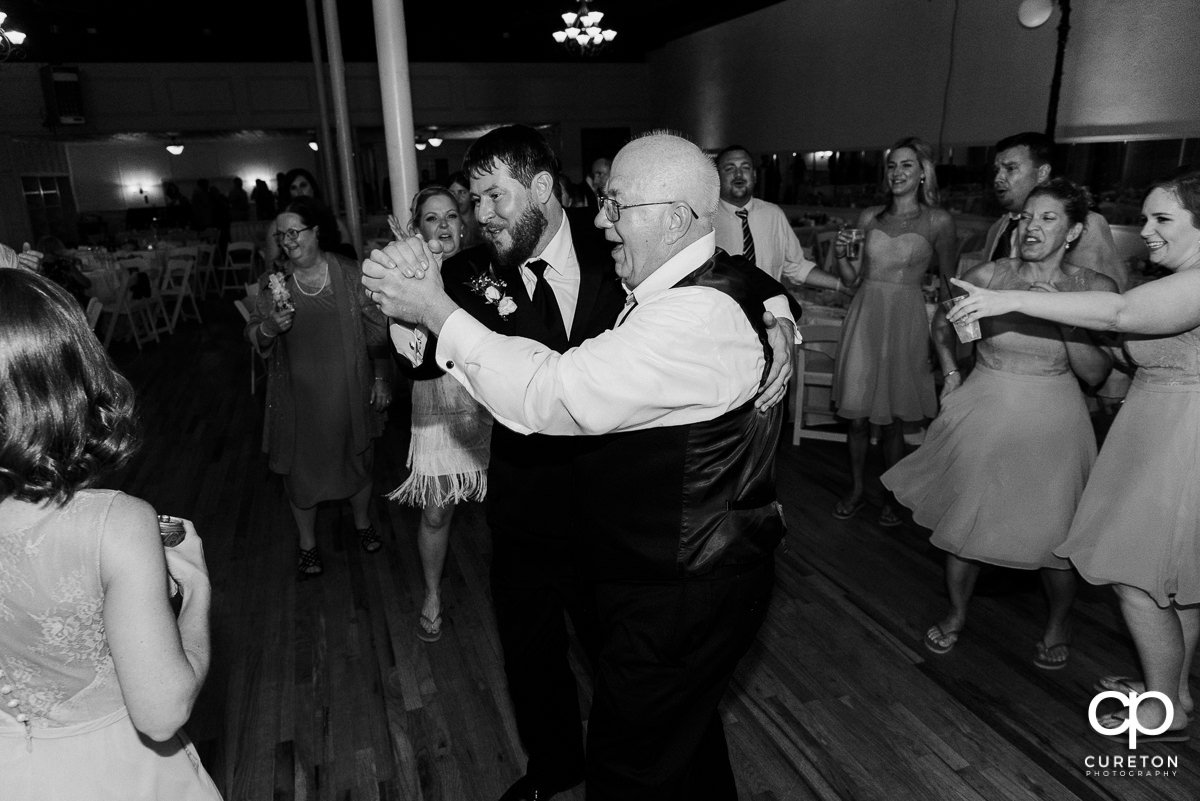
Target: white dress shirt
777 251
683 355
562 273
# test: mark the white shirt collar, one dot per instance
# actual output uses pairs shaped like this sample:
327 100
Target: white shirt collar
732 209
558 252
677 267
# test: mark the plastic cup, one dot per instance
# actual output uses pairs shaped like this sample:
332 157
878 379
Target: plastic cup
854 246
171 530
968 331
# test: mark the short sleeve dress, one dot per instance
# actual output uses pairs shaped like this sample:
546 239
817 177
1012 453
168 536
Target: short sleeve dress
1138 522
1004 464
882 370
55 664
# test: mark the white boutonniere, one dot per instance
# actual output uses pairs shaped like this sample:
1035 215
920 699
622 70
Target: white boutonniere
491 289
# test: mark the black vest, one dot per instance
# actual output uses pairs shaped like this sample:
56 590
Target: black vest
684 501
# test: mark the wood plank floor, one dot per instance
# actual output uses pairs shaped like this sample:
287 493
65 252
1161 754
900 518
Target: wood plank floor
321 690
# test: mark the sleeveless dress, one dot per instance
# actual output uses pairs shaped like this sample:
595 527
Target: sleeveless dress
79 742
324 464
450 446
1002 467
1139 520
882 369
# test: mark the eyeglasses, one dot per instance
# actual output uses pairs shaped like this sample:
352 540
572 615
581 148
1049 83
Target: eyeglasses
612 209
291 234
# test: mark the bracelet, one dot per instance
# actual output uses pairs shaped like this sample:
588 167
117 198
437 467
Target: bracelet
262 330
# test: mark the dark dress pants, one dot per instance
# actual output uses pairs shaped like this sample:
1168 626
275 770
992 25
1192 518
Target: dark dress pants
535 584
667 654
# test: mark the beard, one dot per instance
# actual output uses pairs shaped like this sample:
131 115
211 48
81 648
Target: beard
525 233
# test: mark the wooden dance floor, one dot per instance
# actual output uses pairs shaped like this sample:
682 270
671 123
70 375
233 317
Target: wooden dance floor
320 689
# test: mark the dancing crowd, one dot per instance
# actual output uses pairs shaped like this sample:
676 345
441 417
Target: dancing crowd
608 372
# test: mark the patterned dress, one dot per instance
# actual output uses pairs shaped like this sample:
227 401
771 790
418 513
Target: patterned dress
78 741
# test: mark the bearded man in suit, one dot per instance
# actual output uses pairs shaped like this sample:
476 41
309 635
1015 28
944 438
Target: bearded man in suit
546 274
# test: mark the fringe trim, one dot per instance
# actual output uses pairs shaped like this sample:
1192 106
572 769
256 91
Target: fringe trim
421 490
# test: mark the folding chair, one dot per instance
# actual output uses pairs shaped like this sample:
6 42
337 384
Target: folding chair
239 260
812 384
254 355
177 284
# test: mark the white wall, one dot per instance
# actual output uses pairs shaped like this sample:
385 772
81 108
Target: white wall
852 74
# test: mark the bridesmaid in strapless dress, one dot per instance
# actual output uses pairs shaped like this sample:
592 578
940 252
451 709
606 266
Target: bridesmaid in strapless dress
882 373
1004 464
1137 526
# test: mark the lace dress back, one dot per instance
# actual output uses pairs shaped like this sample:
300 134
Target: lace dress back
53 650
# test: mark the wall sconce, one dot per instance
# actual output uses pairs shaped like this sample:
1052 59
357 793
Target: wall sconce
313 146
10 41
420 144
174 148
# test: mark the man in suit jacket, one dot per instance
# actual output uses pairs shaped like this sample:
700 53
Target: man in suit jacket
537 580
674 498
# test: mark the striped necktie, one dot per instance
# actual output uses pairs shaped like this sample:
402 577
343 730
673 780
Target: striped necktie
747 237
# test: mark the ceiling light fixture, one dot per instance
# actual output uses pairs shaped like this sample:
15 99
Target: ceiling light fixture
10 41
174 148
420 143
583 34
313 146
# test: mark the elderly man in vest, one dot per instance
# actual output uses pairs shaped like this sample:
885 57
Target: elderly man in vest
675 484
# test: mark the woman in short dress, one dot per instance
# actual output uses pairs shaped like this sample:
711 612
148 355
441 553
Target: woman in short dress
881 374
1002 467
451 433
97 674
1138 523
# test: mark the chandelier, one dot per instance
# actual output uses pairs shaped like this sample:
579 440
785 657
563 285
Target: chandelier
583 34
10 41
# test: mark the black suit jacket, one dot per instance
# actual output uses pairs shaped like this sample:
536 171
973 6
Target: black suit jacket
529 477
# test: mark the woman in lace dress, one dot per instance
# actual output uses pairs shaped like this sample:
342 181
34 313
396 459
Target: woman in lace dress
97 675
1002 467
451 433
882 375
1138 523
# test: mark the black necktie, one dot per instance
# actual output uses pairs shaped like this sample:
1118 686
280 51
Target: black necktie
747 237
544 302
1003 247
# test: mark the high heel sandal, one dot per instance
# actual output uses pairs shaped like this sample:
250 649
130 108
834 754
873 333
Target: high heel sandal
309 563
369 540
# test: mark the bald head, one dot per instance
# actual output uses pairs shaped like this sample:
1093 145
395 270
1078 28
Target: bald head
669 166
670 191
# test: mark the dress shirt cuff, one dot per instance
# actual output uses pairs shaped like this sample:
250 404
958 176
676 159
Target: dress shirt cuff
779 307
460 333
409 342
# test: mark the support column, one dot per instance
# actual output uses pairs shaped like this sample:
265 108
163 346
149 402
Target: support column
392 46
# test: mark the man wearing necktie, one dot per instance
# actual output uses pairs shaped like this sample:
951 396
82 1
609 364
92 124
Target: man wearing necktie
555 285
759 230
673 481
1023 162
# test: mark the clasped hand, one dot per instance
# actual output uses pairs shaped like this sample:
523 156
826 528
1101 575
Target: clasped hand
404 279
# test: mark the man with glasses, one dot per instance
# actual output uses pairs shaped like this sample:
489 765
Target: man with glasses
672 496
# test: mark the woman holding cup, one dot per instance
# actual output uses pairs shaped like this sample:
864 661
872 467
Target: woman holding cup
882 375
1138 523
97 674
1004 464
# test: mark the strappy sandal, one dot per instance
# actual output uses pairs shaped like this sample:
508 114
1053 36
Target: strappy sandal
309 563
369 540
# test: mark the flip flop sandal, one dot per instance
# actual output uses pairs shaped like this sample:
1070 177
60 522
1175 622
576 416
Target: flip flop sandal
940 641
430 630
1046 656
844 510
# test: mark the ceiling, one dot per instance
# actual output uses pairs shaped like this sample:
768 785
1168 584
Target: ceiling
83 31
